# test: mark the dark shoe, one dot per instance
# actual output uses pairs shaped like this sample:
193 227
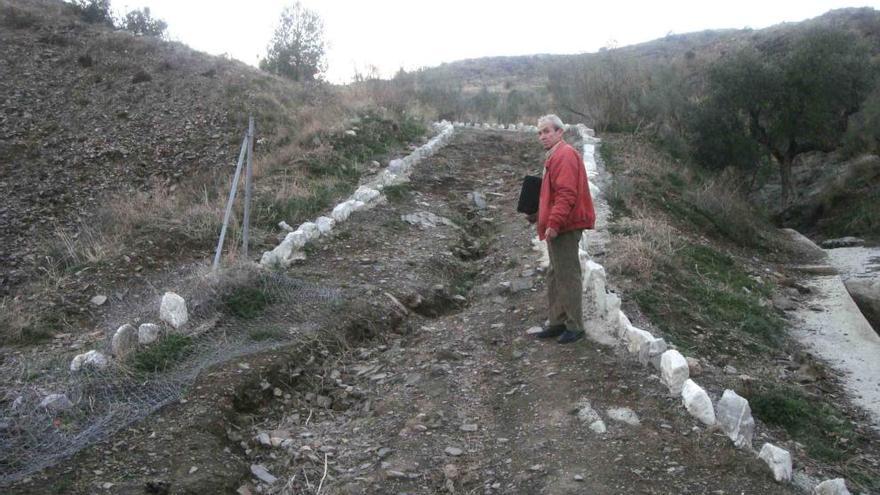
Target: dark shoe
551 332
570 336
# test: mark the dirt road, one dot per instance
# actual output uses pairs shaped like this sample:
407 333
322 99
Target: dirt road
420 378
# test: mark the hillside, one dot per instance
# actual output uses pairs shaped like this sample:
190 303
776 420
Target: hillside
391 350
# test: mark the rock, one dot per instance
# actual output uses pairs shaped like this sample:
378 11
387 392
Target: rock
521 284
148 333
262 474
674 371
468 427
624 415
98 300
779 461
173 310
866 294
324 401
479 200
841 242
586 413
534 330
384 452
697 402
89 360
783 303
342 211
451 471
365 194
56 403
735 418
325 224
453 451
309 230
730 370
285 226
598 426
350 133
651 352
124 341
836 486
397 166
578 477
427 220
694 366
263 439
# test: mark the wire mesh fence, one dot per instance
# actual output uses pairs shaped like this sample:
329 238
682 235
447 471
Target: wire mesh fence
258 311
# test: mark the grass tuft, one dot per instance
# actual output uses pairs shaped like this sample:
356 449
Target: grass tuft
164 354
247 302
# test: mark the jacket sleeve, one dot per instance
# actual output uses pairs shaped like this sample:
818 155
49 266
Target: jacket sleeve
563 179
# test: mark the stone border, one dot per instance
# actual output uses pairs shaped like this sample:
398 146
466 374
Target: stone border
366 196
731 413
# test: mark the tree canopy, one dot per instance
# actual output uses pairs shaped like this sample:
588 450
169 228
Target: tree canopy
297 47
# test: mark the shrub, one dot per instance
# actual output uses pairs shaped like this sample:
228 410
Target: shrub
143 23
94 11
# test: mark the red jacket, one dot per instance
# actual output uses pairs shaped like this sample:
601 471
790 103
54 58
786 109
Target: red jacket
565 203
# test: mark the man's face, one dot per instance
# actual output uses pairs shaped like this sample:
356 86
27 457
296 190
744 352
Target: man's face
548 135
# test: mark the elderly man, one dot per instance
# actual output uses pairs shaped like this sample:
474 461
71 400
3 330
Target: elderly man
565 209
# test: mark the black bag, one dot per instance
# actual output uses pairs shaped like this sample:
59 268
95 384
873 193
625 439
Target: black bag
529 195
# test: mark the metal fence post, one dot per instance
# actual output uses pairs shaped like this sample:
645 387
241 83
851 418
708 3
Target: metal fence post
248 186
229 202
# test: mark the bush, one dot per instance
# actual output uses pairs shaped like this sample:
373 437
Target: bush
143 23
296 50
94 11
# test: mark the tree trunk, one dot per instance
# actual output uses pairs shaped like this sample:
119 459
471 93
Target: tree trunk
785 180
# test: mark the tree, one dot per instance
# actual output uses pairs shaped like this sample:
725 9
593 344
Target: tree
788 102
296 50
94 11
143 23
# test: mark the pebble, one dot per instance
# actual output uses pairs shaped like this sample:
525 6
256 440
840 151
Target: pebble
453 451
578 477
468 427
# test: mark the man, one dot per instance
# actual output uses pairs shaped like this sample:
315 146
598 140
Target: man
565 209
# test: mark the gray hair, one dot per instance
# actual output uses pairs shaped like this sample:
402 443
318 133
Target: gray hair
551 119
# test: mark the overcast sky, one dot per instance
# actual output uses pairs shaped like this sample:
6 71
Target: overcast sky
392 33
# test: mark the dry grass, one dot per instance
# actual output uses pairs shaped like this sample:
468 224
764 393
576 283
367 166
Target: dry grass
640 244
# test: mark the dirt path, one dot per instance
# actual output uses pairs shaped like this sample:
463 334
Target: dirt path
448 395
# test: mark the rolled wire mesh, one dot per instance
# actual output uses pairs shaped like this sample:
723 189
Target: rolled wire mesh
104 401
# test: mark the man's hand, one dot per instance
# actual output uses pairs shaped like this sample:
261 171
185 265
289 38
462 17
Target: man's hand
532 217
551 233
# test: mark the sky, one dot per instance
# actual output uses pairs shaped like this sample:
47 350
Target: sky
391 34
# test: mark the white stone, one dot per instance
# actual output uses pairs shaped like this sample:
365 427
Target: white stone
623 324
594 285
309 231
124 341
285 226
342 211
612 308
837 486
98 300
586 413
534 330
173 310
148 333
598 426
674 371
652 351
779 461
595 192
697 402
56 402
325 224
92 359
624 415
636 338
397 166
735 418
365 194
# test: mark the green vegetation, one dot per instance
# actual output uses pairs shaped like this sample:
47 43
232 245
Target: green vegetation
825 432
267 333
247 301
296 50
164 354
397 193
700 292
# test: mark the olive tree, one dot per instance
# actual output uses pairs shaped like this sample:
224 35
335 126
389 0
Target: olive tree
786 102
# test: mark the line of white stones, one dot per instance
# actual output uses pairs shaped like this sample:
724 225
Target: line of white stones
366 196
611 325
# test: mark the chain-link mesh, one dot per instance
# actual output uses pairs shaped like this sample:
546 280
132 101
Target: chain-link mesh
33 437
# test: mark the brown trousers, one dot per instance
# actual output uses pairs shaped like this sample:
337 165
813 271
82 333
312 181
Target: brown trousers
564 285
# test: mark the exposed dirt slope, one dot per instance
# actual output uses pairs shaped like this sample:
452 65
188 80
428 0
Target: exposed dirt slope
446 396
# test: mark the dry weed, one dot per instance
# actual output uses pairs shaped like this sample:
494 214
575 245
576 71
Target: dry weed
640 244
